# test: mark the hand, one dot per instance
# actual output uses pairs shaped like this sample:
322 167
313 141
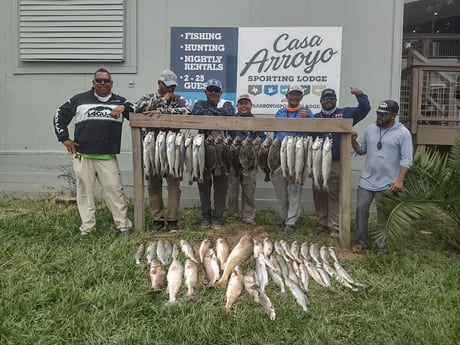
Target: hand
397 186
117 111
151 112
354 136
355 91
304 112
168 96
70 145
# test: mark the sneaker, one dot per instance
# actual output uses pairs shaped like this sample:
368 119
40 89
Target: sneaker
84 235
205 224
334 233
321 228
126 232
289 228
159 225
172 226
215 225
231 219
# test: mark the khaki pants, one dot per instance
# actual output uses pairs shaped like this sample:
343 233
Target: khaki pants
327 203
248 189
107 172
155 189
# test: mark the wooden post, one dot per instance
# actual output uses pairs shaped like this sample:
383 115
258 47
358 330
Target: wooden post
138 173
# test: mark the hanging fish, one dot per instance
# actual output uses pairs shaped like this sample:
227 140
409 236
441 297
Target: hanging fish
326 162
263 157
247 155
316 162
179 155
189 157
274 155
299 163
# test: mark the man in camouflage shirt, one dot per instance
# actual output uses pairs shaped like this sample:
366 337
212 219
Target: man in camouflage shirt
163 101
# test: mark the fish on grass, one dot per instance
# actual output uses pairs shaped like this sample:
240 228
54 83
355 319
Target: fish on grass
174 279
157 275
239 254
234 288
211 267
191 276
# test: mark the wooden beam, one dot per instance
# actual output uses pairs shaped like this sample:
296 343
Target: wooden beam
240 123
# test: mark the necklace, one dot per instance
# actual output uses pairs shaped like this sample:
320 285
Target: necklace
380 144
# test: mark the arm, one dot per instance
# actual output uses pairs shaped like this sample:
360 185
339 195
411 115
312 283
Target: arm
145 103
405 162
363 108
398 184
61 120
227 109
200 108
178 105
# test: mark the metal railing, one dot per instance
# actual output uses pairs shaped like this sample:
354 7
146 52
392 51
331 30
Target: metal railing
430 99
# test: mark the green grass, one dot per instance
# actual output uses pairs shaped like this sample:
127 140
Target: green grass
56 289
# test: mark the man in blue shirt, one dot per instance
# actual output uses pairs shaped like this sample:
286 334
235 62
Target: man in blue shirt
388 145
213 105
237 178
287 192
327 202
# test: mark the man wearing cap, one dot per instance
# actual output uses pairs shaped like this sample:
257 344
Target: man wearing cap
163 101
213 105
327 202
388 145
99 115
237 178
288 193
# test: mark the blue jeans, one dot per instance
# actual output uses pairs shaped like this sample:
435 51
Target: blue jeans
364 200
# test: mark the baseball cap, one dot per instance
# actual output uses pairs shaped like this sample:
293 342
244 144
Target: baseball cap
293 88
214 82
328 93
244 96
389 106
168 77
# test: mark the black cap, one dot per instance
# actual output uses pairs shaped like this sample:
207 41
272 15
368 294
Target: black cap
389 106
328 93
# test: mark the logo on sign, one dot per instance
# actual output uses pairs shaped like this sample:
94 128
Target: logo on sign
254 89
270 90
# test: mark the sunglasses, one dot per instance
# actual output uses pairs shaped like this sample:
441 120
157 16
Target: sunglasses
100 80
172 87
329 98
382 113
213 89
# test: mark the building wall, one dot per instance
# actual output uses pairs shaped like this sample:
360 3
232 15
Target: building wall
34 164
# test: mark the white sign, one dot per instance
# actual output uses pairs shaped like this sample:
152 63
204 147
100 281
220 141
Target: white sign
272 59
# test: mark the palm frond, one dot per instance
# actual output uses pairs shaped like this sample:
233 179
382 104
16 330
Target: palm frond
432 186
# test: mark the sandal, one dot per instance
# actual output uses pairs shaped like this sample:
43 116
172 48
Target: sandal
357 248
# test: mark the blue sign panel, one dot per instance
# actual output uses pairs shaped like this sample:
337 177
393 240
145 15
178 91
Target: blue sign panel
199 54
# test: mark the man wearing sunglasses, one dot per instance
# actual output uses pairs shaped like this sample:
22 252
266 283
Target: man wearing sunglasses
327 205
388 145
98 117
164 101
213 106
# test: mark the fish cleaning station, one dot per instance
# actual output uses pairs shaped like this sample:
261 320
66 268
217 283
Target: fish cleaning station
311 125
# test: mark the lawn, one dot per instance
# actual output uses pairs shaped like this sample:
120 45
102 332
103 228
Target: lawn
56 289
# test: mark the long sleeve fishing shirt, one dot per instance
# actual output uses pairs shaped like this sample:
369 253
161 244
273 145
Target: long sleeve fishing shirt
223 108
383 165
356 113
96 131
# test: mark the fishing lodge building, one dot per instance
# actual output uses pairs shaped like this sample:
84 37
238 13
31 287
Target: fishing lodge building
51 49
